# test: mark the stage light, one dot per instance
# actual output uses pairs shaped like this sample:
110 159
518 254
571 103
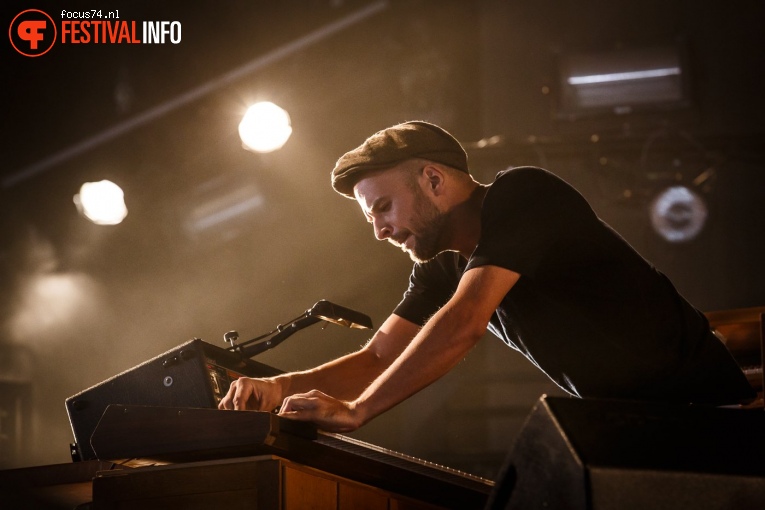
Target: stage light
101 202
624 76
620 82
678 214
265 127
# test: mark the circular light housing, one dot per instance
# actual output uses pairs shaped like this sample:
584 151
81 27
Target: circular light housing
678 214
265 127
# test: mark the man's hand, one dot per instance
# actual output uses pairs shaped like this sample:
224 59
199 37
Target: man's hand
328 413
247 394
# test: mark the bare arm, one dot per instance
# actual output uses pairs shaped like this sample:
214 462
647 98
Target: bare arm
436 349
344 378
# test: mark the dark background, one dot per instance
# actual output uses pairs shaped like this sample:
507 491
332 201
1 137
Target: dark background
80 303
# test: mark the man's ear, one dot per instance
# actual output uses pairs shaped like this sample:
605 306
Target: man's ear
434 177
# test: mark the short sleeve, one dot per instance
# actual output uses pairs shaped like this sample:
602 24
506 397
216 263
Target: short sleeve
527 211
431 285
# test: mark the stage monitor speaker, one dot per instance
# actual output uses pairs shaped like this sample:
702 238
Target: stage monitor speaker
607 455
194 374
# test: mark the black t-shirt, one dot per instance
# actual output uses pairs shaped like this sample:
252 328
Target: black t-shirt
588 310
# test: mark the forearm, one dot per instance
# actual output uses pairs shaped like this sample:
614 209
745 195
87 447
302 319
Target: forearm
445 340
344 378
440 345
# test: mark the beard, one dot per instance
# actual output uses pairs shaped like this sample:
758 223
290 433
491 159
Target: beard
430 228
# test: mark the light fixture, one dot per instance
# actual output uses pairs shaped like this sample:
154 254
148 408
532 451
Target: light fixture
678 214
624 81
101 202
265 127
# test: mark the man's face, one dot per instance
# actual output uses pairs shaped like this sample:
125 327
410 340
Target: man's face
401 212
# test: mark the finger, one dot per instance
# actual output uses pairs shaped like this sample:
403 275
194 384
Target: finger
298 402
227 401
242 395
311 415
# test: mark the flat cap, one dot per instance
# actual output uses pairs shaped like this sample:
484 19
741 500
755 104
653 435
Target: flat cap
391 146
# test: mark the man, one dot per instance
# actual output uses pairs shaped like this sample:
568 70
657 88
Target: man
526 257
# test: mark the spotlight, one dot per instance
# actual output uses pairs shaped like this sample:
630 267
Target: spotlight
678 214
265 127
101 202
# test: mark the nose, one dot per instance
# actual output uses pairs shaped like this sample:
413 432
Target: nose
382 230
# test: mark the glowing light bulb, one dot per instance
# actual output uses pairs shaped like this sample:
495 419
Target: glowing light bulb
101 202
265 127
